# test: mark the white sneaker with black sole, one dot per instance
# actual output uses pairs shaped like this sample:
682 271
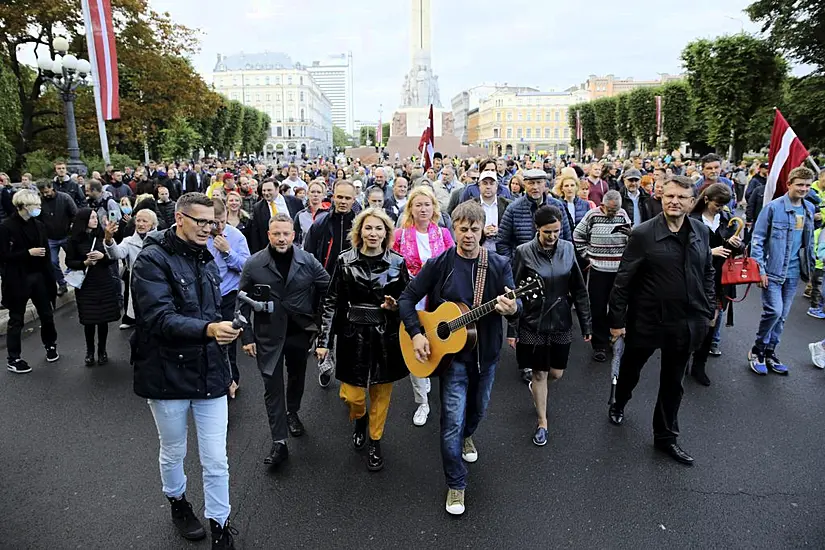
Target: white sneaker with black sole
18 366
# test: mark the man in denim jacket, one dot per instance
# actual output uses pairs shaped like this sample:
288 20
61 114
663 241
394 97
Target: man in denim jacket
782 245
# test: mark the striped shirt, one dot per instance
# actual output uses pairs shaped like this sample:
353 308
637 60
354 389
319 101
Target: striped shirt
595 240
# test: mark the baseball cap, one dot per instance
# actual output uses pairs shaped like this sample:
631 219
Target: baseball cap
535 174
764 165
632 174
488 174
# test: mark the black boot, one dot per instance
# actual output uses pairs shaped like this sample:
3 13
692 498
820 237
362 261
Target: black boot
697 370
222 536
359 432
375 461
102 357
184 519
278 454
90 358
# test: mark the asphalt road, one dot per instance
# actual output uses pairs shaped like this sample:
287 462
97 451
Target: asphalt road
79 461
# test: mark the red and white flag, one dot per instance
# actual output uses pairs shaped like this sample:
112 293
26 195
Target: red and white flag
427 144
786 153
100 36
658 115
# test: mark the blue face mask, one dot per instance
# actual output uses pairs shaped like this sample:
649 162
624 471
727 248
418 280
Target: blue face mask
34 213
126 209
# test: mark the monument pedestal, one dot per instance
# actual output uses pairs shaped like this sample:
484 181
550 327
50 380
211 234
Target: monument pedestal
408 123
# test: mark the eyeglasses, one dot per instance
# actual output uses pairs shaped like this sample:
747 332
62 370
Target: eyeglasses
201 222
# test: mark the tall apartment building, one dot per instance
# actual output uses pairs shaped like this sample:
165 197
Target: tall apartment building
333 75
300 111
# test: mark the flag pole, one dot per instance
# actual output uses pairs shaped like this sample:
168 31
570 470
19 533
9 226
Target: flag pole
814 164
90 43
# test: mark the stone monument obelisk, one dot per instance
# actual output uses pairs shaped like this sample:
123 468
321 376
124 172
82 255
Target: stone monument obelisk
420 90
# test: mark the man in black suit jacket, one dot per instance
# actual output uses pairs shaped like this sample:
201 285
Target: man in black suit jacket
272 199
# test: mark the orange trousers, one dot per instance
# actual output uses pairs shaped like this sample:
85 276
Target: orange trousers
356 398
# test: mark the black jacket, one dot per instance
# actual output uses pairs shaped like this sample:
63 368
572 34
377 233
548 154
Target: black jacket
256 231
431 282
563 286
177 294
365 354
58 214
296 299
99 299
637 301
72 189
627 204
320 238
755 201
16 238
166 214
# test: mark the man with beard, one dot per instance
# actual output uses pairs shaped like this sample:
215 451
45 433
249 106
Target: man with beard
296 281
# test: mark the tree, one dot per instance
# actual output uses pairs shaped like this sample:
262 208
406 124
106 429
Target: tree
590 134
385 132
179 139
641 104
734 81
796 27
250 130
367 134
605 111
677 112
624 129
340 139
9 116
232 132
803 104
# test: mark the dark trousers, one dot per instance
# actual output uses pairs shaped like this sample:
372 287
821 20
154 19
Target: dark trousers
37 292
102 335
599 286
278 402
674 364
228 314
700 356
816 288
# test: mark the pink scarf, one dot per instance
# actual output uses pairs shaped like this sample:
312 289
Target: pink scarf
406 244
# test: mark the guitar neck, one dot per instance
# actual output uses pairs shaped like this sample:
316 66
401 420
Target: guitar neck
475 314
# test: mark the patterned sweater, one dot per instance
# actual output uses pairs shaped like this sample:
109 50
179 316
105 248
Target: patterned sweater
595 240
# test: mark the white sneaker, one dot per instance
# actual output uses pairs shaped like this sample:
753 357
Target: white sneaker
817 355
455 502
421 414
469 452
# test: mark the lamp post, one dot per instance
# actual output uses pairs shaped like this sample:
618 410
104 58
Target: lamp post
66 73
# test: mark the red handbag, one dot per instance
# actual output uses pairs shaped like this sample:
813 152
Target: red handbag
740 271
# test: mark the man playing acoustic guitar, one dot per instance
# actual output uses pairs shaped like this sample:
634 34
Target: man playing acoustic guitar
466 383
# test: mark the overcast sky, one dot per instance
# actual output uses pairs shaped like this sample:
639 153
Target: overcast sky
550 45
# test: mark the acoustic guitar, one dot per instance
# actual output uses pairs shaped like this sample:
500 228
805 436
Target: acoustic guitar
450 329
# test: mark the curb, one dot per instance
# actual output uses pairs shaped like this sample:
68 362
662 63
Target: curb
31 312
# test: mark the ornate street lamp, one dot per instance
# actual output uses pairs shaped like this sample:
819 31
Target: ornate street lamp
66 72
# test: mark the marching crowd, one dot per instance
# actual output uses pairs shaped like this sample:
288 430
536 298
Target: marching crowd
330 256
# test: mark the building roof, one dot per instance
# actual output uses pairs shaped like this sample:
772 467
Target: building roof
253 61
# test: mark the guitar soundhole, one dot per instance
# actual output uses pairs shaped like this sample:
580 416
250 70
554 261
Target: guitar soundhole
443 330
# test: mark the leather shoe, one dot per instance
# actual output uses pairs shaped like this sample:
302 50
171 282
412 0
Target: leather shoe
277 455
359 432
294 424
700 375
616 414
674 451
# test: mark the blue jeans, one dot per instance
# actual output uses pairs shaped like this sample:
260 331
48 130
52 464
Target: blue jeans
54 251
465 394
776 305
716 339
211 416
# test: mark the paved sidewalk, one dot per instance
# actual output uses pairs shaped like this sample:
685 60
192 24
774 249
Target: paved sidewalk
31 313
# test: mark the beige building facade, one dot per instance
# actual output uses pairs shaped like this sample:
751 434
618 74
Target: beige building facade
610 86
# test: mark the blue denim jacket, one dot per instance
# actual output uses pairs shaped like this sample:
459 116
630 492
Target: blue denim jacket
772 240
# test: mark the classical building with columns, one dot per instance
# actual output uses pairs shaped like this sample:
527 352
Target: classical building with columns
300 111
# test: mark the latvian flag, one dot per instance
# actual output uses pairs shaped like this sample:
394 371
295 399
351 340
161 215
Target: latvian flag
786 153
425 145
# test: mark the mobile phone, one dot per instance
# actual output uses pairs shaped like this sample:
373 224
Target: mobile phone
623 228
113 216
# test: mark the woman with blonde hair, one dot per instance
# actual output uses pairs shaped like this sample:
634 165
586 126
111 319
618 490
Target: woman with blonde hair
360 309
236 216
419 239
567 190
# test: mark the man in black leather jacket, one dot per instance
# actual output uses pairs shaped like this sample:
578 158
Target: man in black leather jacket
664 297
180 360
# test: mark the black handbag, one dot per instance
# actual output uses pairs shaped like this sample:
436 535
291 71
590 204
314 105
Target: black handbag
365 314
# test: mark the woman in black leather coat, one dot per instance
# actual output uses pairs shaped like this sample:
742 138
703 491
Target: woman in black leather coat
360 309
544 331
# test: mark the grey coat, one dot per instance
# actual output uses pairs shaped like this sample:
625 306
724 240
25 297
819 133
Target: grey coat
297 299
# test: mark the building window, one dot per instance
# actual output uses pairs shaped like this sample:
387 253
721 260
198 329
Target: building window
289 80
495 132
520 115
279 131
302 97
278 80
529 116
301 80
556 133
289 96
566 133
518 133
529 133
538 132
509 133
557 116
234 80
269 97
538 116
546 116
257 97
266 80
509 116
302 115
498 117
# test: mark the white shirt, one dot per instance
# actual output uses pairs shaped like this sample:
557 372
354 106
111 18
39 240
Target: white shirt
297 183
571 207
280 203
713 224
490 212
425 253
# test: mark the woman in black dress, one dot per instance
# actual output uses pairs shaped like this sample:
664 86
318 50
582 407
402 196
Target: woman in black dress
99 298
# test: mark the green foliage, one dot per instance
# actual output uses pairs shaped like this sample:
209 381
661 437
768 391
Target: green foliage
385 132
249 130
734 80
589 130
367 133
39 164
803 105
796 27
340 139
232 132
677 112
642 107
10 116
605 112
624 129
178 140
